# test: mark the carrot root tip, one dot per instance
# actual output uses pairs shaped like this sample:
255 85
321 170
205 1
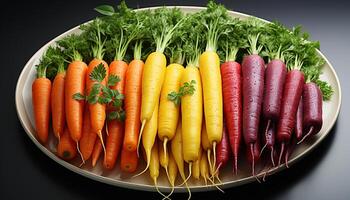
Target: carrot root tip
139 139
281 153
81 155
307 135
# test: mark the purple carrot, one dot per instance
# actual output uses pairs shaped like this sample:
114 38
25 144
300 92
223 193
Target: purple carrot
299 121
312 105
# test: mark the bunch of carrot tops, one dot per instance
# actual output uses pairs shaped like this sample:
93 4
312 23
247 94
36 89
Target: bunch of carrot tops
241 78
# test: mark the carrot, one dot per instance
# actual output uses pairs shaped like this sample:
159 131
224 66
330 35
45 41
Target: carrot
206 147
133 100
97 110
155 65
149 137
88 138
232 96
196 165
269 140
312 107
253 71
66 148
172 168
57 102
41 90
97 150
192 112
114 141
222 151
168 111
154 167
209 67
115 128
163 160
291 96
128 161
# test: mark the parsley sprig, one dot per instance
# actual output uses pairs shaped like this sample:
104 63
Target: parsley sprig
186 89
104 94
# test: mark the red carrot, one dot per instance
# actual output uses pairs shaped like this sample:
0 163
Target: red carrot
291 97
232 98
222 149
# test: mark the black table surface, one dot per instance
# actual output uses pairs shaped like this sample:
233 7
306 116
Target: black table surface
25 172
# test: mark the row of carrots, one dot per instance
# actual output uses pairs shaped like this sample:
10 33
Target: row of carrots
202 110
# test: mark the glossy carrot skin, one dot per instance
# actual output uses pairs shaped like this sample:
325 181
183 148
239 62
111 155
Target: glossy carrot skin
75 83
97 110
66 148
223 149
275 75
132 103
253 71
312 107
57 104
115 128
41 90
129 161
231 73
114 141
291 97
88 138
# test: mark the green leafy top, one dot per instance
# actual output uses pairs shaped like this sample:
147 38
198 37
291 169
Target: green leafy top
52 62
94 34
253 28
74 46
163 24
186 89
232 41
125 25
214 19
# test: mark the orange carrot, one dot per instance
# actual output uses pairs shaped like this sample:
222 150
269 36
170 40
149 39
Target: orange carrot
57 102
88 138
75 83
97 110
97 150
41 89
113 142
118 68
66 148
133 100
129 161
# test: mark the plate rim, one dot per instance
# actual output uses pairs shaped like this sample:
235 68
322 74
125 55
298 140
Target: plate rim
146 187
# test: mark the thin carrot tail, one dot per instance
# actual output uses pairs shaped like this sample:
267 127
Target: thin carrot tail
171 192
140 135
215 185
262 150
236 163
147 165
159 192
81 155
189 191
286 160
272 156
253 160
102 143
307 135
164 147
281 153
214 154
189 174
209 160
167 174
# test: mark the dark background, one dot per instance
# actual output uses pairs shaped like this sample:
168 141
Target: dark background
25 172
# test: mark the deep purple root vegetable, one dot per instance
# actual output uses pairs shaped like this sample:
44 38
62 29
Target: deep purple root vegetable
253 71
312 105
269 141
291 96
275 75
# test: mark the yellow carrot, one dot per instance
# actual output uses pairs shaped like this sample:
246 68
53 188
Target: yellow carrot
154 167
192 112
168 110
196 166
